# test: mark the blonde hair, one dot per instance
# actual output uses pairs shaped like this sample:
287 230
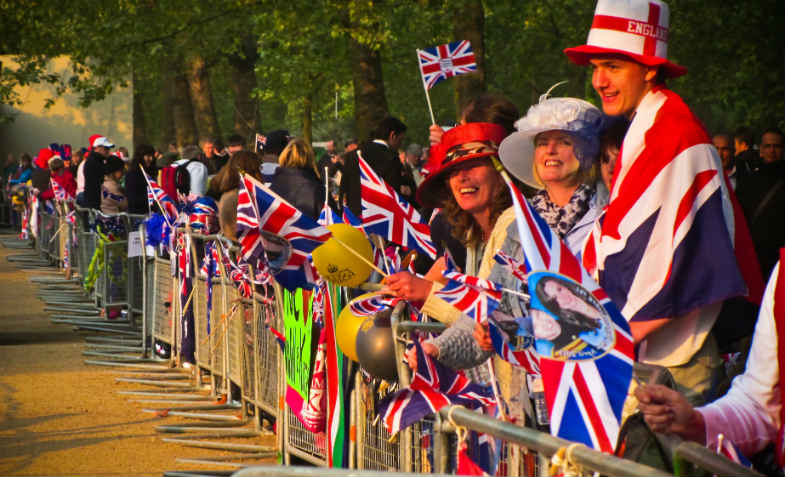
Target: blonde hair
587 176
298 154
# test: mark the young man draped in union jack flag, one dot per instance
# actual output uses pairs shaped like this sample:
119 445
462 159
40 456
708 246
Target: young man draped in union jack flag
664 248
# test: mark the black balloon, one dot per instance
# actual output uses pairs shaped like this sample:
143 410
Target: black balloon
375 346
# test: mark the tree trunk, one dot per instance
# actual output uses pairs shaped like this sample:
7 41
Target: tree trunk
202 100
246 116
139 133
183 114
369 94
167 116
469 25
307 118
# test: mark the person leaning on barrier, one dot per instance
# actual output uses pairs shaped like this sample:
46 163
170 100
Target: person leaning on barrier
752 413
113 198
224 187
297 180
62 175
136 185
464 182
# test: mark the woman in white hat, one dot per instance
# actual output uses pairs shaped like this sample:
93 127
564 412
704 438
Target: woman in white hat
555 150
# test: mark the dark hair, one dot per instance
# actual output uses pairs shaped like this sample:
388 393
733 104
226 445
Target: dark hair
569 316
614 133
113 164
228 177
773 131
235 140
491 108
744 134
26 159
140 151
351 141
218 144
388 125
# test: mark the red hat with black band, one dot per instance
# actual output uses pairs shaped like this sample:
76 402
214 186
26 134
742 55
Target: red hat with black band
458 145
637 29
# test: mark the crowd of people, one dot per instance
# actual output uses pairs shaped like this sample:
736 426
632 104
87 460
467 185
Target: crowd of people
680 228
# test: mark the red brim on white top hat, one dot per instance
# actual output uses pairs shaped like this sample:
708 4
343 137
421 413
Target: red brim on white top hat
580 55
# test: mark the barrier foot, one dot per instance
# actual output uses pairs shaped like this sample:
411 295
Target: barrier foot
194 407
225 458
121 364
216 431
208 417
119 358
120 341
185 397
210 462
170 373
170 428
120 332
65 310
228 446
111 347
153 382
198 473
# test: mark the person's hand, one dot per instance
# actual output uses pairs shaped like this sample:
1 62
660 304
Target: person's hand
668 411
408 286
410 355
436 133
481 333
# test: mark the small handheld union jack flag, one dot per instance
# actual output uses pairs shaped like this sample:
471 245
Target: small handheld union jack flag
444 61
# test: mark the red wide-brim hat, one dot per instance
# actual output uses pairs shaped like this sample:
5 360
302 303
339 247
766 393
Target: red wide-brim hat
458 145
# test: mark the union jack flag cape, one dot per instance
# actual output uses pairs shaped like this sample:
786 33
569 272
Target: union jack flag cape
444 61
584 397
433 387
259 208
663 246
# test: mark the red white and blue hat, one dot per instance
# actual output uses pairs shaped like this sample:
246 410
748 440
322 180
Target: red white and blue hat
634 28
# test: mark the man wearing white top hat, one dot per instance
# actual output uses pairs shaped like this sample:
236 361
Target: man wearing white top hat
664 248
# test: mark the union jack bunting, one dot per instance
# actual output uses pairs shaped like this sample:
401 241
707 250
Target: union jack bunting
444 61
518 269
433 387
259 208
156 195
584 397
350 218
524 358
471 295
385 213
61 194
372 305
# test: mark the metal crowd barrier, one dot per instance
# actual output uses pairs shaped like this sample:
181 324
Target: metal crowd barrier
236 350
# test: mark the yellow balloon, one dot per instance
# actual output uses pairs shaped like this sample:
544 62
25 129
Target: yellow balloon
347 326
336 263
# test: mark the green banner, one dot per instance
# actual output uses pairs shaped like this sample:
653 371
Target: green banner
298 340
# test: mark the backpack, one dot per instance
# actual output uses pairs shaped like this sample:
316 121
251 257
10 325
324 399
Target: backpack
176 180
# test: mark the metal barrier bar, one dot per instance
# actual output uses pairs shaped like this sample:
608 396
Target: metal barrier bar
298 471
704 457
547 444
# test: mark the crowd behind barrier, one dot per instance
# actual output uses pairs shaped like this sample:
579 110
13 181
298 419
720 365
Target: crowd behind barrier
240 357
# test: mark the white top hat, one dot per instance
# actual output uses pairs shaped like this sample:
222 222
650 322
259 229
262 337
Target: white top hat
635 28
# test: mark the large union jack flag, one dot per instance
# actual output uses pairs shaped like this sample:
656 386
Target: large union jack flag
444 61
259 208
433 387
584 398
664 245
385 213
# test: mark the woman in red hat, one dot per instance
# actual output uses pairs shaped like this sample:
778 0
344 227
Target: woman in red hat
464 183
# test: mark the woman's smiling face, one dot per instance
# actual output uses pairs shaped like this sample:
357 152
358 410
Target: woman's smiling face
474 184
554 158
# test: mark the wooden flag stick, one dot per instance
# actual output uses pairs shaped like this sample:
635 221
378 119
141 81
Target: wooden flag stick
359 256
426 92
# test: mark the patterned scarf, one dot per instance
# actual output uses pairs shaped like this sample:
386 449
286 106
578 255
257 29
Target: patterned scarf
562 219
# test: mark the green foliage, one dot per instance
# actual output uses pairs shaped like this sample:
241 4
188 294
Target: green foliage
734 52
